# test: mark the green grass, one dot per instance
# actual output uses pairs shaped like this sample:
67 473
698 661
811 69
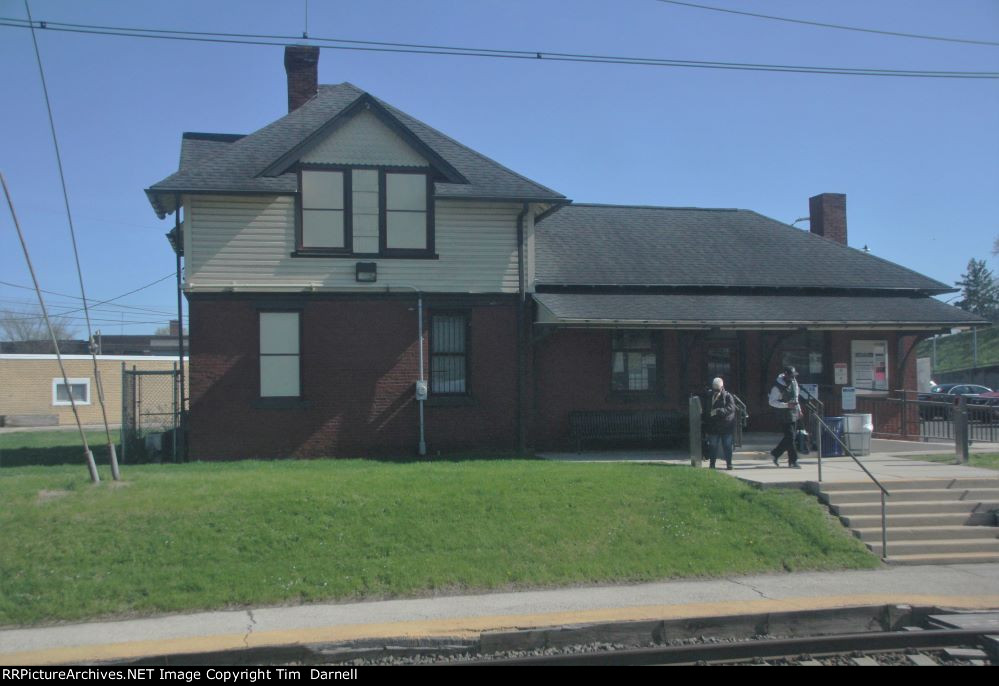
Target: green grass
983 460
955 352
214 535
27 448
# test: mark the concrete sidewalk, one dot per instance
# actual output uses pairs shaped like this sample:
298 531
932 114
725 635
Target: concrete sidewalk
957 586
889 461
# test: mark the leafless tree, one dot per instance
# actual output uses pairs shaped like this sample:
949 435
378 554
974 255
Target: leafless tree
26 329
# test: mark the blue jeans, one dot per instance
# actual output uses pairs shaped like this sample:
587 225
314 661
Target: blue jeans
720 440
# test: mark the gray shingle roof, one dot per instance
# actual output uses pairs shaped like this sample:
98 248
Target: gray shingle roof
753 310
236 167
614 245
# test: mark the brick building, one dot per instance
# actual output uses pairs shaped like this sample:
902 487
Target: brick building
344 256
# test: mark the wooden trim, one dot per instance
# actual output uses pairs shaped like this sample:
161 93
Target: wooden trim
348 214
384 252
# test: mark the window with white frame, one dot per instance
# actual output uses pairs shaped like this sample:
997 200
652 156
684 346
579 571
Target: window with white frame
280 355
78 389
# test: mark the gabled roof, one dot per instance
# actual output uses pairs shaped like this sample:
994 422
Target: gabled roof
242 165
678 247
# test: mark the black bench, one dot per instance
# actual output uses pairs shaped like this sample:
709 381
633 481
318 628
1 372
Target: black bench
623 425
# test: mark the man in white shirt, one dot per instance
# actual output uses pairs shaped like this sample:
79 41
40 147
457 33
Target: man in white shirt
784 397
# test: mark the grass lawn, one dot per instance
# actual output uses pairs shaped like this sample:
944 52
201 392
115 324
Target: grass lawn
27 448
215 535
983 460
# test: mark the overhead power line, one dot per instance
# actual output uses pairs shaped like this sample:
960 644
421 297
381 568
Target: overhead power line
101 302
424 49
825 25
107 304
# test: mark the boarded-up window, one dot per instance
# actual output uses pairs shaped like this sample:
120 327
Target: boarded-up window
279 355
449 354
633 363
323 210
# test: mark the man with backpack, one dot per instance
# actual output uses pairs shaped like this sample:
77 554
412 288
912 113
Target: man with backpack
784 397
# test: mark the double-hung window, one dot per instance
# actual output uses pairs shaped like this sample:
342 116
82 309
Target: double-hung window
365 212
449 354
324 217
280 355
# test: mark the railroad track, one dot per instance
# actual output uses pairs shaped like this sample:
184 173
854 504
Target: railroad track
807 650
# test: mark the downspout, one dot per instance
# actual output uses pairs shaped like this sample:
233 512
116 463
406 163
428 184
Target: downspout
521 310
180 329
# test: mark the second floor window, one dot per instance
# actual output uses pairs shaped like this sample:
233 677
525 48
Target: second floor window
324 220
370 212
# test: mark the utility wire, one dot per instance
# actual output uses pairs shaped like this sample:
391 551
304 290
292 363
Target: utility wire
831 26
418 49
96 304
76 253
88 454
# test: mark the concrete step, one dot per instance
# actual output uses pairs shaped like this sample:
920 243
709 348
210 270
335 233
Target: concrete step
942 558
927 533
973 545
868 485
914 507
920 494
872 521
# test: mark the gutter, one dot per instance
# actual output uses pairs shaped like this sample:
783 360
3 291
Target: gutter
521 348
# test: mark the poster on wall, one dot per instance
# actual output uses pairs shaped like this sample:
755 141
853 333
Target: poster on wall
870 365
849 399
839 370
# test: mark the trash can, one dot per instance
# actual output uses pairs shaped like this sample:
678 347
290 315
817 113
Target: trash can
857 430
830 446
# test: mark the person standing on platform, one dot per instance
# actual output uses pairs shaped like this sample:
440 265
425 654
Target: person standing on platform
720 422
784 397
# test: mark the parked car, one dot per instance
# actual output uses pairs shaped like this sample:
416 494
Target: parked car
985 407
944 394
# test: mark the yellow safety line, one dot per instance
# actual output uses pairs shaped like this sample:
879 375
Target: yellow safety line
471 627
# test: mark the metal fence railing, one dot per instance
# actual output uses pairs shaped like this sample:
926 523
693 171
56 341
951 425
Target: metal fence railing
151 415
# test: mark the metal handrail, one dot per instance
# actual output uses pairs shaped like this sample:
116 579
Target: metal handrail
816 404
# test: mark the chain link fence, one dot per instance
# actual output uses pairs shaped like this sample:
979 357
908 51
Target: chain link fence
151 416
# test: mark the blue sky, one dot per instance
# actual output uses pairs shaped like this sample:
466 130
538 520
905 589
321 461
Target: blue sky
917 158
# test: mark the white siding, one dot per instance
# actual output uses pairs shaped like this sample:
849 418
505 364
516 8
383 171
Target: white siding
245 242
364 140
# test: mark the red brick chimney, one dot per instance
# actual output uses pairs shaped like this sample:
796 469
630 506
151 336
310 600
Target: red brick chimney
302 64
827 216
174 327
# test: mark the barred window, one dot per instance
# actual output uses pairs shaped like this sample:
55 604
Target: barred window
633 366
449 354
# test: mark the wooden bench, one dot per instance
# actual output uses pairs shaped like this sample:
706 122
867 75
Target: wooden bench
625 425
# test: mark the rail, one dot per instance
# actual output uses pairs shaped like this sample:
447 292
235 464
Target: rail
817 409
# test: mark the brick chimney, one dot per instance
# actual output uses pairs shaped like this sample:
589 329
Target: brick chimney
174 327
827 215
302 64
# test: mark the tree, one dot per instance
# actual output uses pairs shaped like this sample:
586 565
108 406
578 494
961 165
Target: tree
979 291
27 329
